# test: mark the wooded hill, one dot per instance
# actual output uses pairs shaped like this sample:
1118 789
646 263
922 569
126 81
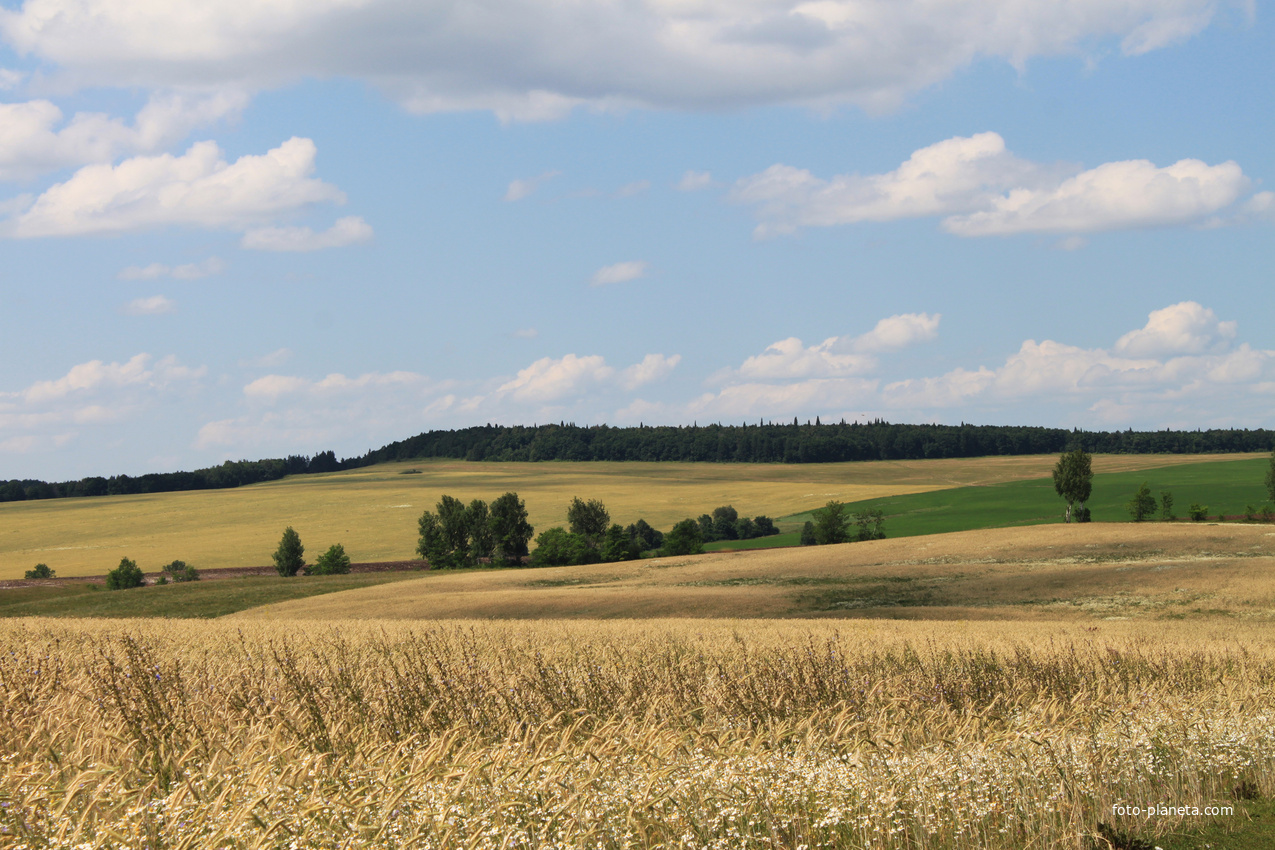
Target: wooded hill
762 443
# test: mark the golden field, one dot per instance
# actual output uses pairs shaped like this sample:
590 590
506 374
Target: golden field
1089 571
643 733
373 511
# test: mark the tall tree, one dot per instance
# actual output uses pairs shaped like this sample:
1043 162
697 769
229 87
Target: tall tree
510 530
482 542
1073 478
453 519
685 539
1142 505
289 558
830 523
1270 478
589 520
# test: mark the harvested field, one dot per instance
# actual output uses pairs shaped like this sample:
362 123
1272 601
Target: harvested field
1088 572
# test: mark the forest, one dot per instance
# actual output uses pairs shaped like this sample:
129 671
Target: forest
764 442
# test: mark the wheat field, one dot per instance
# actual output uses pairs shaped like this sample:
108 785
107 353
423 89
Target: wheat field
644 733
373 511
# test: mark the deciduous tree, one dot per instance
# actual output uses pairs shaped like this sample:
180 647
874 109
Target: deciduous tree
1073 478
289 558
510 530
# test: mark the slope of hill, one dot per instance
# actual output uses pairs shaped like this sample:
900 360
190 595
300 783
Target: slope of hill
1100 570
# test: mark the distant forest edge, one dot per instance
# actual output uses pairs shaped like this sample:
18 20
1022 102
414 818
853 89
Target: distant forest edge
762 443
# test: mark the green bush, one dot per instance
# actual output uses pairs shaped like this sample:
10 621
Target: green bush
808 534
686 538
1198 512
180 571
333 562
126 575
41 571
558 547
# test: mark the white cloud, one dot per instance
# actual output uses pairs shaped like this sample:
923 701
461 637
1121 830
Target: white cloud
982 189
619 273
1113 196
10 79
895 332
526 333
268 361
35 140
351 230
155 305
186 271
198 188
550 379
693 181
50 413
654 367
1186 328
838 356
523 188
525 60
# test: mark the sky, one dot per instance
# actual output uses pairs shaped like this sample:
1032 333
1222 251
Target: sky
251 229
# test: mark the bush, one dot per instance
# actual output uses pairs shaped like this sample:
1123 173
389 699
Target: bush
1198 512
41 571
1267 513
558 547
289 558
179 571
1142 505
830 524
686 538
126 575
871 525
808 534
333 562
1081 515
1166 506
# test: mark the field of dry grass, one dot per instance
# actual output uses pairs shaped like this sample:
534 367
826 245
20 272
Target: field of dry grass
373 511
1094 571
650 733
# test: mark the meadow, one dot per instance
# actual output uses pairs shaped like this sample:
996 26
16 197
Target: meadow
373 511
647 733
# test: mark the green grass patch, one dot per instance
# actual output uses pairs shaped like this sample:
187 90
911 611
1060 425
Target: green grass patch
1227 487
775 541
1251 827
201 599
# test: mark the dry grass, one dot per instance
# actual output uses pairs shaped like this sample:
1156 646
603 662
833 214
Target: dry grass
1094 571
373 511
617 735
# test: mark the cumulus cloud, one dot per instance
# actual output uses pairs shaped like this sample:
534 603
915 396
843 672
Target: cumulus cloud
35 138
186 271
523 188
981 189
198 188
525 60
550 379
619 273
1185 328
654 367
351 230
155 305
837 356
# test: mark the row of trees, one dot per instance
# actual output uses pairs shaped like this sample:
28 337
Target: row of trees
460 535
765 442
725 523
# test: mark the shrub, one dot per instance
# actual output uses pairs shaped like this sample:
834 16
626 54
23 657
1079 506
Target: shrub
558 547
870 524
685 539
1198 512
1166 506
332 562
126 575
179 571
41 571
1142 505
808 534
1267 513
830 524
289 558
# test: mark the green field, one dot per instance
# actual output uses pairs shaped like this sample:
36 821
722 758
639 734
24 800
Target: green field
1227 486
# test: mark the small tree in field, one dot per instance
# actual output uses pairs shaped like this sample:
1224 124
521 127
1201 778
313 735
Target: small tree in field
1166 506
1142 505
1073 478
126 575
332 562
830 524
1270 478
289 558
41 571
685 538
510 529
871 525
180 571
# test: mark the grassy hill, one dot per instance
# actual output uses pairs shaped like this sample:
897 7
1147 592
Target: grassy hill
1094 571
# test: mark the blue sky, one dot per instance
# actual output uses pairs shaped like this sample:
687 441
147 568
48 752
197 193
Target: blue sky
244 230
